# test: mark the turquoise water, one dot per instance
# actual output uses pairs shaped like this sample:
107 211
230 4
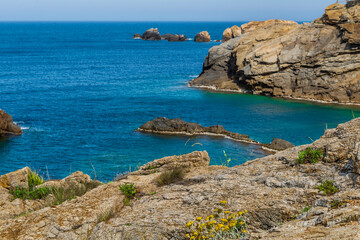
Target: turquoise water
80 90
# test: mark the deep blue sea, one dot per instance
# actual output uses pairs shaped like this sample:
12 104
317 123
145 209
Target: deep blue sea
80 90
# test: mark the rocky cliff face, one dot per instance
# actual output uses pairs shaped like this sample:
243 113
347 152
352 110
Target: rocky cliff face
7 126
281 197
314 61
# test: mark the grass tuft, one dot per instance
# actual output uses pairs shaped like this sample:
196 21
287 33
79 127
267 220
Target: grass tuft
129 190
171 176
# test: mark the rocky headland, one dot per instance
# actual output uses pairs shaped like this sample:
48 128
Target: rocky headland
7 125
318 61
282 197
177 126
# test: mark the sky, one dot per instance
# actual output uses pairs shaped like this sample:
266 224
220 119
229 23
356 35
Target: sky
161 10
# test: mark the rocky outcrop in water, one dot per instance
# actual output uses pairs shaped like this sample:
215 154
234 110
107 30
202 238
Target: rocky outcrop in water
174 37
151 34
7 126
281 197
177 126
203 36
314 61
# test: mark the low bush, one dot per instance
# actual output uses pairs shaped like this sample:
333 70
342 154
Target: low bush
221 224
129 190
34 179
171 176
310 155
328 187
25 193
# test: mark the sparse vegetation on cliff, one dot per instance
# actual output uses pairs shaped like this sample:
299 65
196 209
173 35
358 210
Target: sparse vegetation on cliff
310 155
328 187
171 176
129 190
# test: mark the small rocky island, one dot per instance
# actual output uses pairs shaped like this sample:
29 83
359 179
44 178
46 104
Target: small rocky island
153 34
177 126
7 125
318 61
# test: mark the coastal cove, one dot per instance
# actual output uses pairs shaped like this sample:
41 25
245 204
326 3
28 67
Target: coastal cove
79 91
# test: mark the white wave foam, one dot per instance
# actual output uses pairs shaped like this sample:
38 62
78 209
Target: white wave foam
193 76
190 39
24 128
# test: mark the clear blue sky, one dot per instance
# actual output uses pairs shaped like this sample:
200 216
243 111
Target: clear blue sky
160 10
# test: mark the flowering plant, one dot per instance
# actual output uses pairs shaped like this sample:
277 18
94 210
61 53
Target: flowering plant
222 224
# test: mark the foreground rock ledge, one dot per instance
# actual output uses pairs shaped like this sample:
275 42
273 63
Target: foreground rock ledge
177 126
317 61
7 125
273 189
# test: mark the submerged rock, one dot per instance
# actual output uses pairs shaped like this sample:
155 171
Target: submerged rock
312 61
151 34
203 36
7 126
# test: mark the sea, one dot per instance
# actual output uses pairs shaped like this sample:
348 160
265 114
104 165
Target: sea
79 91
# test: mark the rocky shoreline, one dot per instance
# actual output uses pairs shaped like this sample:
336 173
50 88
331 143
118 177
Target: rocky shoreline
177 126
281 196
317 61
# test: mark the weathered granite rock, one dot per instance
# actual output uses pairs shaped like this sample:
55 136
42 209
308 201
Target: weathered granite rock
279 144
17 178
310 61
232 32
236 31
174 37
203 36
137 36
7 126
273 189
151 34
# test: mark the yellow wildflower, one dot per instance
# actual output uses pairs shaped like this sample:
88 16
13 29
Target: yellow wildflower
187 235
224 220
242 223
245 211
226 228
227 212
198 219
223 202
189 224
244 231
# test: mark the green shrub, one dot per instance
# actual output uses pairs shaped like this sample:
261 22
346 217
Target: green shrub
328 187
25 193
337 204
306 209
171 176
129 190
310 155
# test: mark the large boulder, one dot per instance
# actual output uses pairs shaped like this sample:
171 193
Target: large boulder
7 126
151 34
14 179
279 144
232 32
203 36
310 61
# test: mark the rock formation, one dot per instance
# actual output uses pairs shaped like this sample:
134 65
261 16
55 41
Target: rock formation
137 36
174 37
236 31
7 126
177 126
230 33
317 61
151 34
281 197
203 36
